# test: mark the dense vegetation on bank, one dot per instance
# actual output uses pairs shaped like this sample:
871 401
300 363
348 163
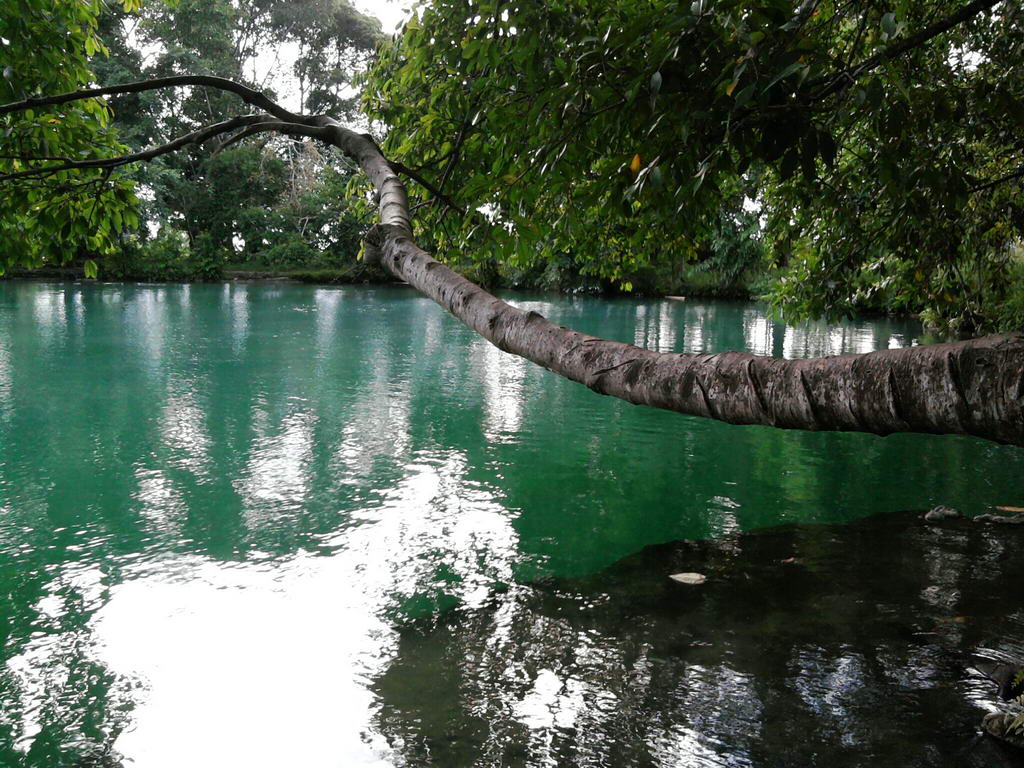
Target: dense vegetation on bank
833 158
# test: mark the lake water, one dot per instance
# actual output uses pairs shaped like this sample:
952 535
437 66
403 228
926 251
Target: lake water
276 525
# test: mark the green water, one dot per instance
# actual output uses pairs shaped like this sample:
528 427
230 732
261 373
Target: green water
226 512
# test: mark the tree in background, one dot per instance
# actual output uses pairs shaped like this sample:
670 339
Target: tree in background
252 204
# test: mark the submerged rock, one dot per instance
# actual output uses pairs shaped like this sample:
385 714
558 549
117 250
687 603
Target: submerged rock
999 724
1004 519
688 578
989 752
942 512
1009 677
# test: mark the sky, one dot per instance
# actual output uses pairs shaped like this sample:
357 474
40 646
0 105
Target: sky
390 12
274 72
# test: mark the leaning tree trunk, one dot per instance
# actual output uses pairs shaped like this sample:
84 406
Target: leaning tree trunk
972 387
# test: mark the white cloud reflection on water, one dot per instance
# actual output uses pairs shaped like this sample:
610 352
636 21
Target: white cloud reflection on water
503 376
267 664
236 304
50 315
182 426
43 669
276 478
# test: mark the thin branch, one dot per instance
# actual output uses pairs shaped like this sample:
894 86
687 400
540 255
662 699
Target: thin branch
847 77
196 137
454 154
399 168
37 158
99 193
248 95
281 126
840 81
1019 173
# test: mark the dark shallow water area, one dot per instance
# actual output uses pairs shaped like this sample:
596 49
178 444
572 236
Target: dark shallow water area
285 525
838 645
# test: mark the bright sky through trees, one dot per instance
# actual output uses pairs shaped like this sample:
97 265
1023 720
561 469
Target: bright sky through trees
390 12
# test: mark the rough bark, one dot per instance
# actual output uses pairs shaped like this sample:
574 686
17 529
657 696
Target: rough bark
973 387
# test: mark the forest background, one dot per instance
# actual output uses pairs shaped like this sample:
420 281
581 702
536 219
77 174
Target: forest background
903 196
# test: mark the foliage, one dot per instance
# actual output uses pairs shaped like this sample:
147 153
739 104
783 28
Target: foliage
729 261
165 257
334 42
733 250
583 142
1017 724
44 49
884 149
247 202
304 222
253 205
268 201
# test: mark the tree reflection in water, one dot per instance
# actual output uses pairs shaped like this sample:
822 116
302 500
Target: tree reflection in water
856 650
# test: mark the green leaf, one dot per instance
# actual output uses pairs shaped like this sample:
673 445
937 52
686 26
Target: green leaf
655 85
785 73
90 269
745 94
889 24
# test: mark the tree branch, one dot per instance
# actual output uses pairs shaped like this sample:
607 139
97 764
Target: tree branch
974 387
248 95
196 137
435 191
1019 173
848 77
280 126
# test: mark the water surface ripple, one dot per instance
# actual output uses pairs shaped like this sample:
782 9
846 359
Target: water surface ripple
271 525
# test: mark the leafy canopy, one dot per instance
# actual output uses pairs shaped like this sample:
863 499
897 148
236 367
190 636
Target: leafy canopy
44 49
881 144
207 203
